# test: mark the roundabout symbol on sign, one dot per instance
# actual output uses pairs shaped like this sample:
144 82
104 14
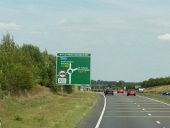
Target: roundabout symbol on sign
62 74
70 72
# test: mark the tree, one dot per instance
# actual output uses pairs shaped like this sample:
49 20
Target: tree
14 75
23 67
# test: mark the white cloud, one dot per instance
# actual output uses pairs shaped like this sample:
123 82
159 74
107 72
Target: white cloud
164 36
9 26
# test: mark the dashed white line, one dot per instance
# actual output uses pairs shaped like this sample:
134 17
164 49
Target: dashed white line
158 122
149 114
143 109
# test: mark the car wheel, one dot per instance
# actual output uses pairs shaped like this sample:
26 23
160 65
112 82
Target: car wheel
127 95
134 94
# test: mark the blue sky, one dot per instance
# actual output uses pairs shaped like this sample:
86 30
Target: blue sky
129 39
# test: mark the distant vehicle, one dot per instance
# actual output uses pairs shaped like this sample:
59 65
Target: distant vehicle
109 91
141 89
131 92
167 93
120 91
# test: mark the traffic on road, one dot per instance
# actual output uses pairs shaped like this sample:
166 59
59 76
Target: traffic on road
122 111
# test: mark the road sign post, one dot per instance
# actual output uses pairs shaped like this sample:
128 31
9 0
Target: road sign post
73 68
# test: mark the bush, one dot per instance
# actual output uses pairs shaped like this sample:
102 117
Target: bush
18 78
3 93
23 67
18 118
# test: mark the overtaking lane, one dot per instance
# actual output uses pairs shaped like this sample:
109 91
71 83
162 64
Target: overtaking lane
133 111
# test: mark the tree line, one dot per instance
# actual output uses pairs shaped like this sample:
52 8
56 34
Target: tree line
155 82
23 67
101 85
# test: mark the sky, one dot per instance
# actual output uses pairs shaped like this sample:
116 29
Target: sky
128 39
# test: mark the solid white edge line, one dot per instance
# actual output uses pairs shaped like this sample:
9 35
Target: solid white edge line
154 100
101 116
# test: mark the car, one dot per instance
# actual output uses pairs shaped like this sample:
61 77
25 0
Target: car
167 93
131 92
120 91
109 91
141 89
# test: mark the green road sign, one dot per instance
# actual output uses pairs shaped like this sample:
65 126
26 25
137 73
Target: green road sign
73 68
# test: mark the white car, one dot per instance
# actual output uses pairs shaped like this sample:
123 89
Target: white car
141 90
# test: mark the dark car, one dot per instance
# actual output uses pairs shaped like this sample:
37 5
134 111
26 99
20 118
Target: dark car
167 93
131 92
109 91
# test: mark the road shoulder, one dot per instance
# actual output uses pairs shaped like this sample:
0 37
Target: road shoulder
92 117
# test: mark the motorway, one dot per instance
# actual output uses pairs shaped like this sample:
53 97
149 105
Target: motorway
134 112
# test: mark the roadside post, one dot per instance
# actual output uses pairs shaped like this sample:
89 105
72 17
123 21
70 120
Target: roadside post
124 88
73 69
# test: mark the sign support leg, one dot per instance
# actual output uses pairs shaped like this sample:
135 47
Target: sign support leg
62 93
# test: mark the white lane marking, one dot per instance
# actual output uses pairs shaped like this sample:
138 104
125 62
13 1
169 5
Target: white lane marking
154 100
143 109
101 116
138 105
149 114
134 111
134 103
158 122
165 117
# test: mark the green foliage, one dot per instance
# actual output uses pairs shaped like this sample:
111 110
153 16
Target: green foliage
100 85
156 82
33 53
47 71
19 77
23 67
18 118
3 93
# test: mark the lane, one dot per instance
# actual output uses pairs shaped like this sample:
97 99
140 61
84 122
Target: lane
134 112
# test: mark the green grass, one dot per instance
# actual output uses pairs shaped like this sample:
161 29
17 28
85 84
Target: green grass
49 111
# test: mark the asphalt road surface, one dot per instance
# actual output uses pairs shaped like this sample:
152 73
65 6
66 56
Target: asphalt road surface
134 112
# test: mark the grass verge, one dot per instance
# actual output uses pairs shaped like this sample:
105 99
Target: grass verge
46 111
157 89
